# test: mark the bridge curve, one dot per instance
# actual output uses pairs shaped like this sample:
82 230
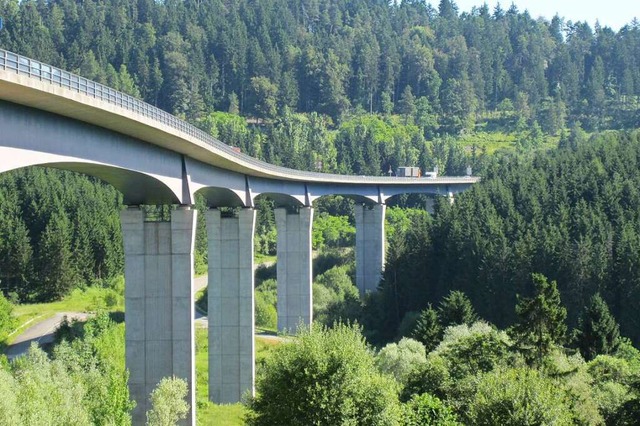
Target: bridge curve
51 117
40 86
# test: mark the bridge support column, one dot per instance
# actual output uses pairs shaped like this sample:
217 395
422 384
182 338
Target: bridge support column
159 304
370 250
294 268
231 305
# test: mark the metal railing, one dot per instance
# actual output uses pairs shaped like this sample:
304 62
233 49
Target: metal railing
56 76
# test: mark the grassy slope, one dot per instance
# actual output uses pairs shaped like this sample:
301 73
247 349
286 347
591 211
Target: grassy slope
91 299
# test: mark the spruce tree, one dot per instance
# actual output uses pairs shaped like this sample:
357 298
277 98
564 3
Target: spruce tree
428 330
456 309
541 318
57 272
598 332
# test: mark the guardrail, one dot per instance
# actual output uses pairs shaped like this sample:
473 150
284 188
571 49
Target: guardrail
56 76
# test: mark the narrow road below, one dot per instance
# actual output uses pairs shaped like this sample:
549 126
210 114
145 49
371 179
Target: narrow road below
41 333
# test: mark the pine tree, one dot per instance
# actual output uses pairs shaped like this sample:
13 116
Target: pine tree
541 318
428 330
598 332
57 271
456 309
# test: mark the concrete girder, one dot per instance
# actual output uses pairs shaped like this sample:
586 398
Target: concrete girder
365 194
284 193
444 190
221 188
145 174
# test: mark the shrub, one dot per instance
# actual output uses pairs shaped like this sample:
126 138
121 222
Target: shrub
426 409
474 349
324 376
518 397
401 359
266 314
168 405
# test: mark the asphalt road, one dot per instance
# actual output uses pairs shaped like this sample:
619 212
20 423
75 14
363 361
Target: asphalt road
41 333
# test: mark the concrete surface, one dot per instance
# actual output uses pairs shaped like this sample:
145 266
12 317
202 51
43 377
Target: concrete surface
294 268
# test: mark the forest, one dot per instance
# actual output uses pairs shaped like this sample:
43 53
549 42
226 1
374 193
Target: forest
529 282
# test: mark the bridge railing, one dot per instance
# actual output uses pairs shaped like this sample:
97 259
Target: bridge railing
56 76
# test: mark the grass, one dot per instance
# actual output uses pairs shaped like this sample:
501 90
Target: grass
491 141
210 414
88 300
260 259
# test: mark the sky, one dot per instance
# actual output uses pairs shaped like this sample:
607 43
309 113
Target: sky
612 13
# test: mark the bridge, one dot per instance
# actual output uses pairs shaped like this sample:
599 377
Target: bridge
51 117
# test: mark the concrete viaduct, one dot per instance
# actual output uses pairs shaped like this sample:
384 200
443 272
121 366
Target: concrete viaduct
53 118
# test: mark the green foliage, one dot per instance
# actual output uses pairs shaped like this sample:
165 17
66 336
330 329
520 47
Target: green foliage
335 298
84 383
59 230
456 309
518 397
401 359
266 314
599 334
324 376
542 318
7 321
332 231
428 330
470 350
426 409
46 392
611 390
168 405
432 377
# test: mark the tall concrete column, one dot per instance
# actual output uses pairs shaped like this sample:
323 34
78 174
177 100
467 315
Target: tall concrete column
159 304
294 268
370 250
231 305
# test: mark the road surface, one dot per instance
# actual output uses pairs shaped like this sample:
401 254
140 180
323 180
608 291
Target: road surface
41 333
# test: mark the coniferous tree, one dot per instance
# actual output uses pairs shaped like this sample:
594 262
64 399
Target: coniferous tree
541 318
456 309
599 333
428 330
57 271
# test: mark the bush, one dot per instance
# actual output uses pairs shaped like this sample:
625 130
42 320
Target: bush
335 298
612 377
7 322
426 409
474 349
401 359
324 376
432 377
168 405
266 314
518 397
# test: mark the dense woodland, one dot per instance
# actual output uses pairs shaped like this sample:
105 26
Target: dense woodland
545 249
339 57
572 214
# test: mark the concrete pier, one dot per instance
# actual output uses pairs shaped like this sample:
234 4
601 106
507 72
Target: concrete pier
294 268
159 304
231 305
370 249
